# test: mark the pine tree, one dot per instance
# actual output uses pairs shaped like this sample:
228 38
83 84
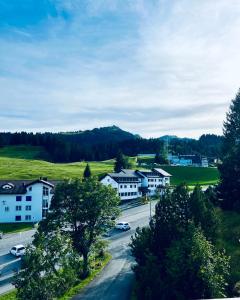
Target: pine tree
87 172
120 163
230 167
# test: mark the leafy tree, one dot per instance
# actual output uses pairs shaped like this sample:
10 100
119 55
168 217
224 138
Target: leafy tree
230 167
161 158
174 252
84 210
204 213
192 261
121 162
48 268
87 172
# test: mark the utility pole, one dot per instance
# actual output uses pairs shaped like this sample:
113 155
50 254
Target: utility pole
150 208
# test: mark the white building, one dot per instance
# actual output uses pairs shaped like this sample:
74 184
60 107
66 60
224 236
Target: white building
188 160
24 200
131 184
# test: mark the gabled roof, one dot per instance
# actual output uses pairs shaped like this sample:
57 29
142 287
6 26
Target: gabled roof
124 176
162 172
12 187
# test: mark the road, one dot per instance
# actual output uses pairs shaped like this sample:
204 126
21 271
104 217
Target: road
113 283
8 263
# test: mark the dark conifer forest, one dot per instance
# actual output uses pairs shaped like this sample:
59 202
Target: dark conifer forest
104 143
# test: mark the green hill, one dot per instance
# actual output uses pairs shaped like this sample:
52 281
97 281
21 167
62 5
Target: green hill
23 162
24 152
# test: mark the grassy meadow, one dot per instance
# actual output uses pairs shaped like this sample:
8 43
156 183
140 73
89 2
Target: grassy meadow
26 162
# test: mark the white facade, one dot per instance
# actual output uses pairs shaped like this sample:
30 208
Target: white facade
30 205
188 160
130 184
124 188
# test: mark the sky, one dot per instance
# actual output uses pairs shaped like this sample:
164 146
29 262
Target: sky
152 67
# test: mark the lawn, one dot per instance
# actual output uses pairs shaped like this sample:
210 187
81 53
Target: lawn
22 162
192 175
16 168
15 227
24 152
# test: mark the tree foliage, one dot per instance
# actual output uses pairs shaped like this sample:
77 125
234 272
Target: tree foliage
178 250
121 162
85 210
49 268
87 172
230 167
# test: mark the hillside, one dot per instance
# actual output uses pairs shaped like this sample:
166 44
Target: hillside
110 134
24 163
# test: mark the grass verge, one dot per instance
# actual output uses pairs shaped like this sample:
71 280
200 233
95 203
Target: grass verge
99 266
9 296
78 288
15 227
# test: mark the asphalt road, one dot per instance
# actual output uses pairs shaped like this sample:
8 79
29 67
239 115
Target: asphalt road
8 263
113 283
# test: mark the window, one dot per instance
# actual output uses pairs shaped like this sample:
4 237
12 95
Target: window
44 213
45 203
121 186
45 191
28 198
135 185
18 218
18 198
125 186
28 207
18 208
125 194
30 188
129 194
28 218
119 194
6 208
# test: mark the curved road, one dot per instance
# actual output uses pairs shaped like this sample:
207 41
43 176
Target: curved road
115 281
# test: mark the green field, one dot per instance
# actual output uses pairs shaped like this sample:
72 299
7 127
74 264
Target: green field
22 162
192 175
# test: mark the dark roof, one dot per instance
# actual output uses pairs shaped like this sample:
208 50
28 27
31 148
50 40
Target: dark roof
20 186
148 173
162 172
125 176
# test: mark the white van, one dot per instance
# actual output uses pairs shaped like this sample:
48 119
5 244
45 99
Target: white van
17 250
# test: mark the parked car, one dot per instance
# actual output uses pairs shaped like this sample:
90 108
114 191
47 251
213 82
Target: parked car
1 234
17 250
123 226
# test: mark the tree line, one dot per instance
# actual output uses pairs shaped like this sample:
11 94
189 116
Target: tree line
71 147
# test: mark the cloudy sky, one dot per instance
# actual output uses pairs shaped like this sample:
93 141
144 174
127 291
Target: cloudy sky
151 67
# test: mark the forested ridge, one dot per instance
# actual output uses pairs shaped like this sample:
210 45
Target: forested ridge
104 143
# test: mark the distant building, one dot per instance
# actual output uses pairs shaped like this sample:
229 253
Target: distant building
25 200
131 184
188 160
146 155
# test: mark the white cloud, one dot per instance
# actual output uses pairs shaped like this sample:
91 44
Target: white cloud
153 67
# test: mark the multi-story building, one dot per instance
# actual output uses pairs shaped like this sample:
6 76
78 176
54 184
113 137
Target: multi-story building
25 200
188 160
131 184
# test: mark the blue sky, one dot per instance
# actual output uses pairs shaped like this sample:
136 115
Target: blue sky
151 67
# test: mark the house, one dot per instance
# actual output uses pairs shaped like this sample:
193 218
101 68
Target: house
188 160
25 200
132 184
